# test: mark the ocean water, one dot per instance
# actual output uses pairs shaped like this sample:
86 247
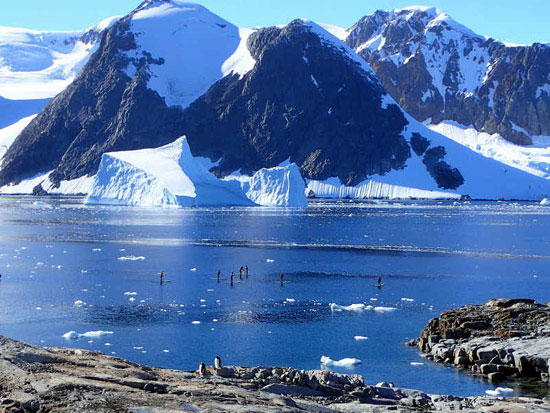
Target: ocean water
437 255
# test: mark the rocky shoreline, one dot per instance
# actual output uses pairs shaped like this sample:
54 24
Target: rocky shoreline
502 339
38 380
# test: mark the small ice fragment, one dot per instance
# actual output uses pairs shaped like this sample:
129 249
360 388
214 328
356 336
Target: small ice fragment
351 307
38 308
138 348
132 299
203 300
195 322
346 362
166 351
384 309
130 293
96 249
215 320
79 303
360 338
290 300
416 363
374 299
131 258
269 260
193 269
409 300
108 344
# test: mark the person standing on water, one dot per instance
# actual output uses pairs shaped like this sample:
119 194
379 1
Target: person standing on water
161 277
246 270
379 280
232 276
218 275
282 277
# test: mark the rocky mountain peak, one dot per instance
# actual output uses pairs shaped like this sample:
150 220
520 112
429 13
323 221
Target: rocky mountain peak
438 70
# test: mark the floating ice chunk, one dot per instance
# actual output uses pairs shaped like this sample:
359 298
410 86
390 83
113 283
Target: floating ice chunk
79 303
545 201
269 260
38 308
346 362
416 363
166 351
384 309
130 293
73 335
351 307
408 300
108 344
290 300
132 299
193 269
499 391
195 322
360 338
96 249
131 258
374 299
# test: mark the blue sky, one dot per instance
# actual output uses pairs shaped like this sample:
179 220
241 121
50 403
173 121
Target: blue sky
509 20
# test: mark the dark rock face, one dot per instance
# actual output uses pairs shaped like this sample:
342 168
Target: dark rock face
305 100
441 70
445 176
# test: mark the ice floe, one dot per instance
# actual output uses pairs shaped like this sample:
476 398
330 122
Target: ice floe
351 307
131 258
346 362
499 391
360 338
73 335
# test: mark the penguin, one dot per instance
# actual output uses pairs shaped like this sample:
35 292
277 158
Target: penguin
202 369
218 363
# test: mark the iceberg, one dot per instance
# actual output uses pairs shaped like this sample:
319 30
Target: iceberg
171 177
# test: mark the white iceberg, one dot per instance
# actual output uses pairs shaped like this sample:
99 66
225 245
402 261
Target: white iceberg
171 176
545 202
346 362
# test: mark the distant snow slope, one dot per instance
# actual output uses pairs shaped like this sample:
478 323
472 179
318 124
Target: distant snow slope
34 67
197 48
171 177
534 159
39 65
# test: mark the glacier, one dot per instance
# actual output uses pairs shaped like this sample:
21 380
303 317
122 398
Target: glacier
171 177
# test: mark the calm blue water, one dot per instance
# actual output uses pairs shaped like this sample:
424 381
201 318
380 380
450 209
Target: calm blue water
439 254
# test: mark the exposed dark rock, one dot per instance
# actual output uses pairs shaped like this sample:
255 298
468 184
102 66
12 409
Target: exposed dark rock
446 176
500 339
419 144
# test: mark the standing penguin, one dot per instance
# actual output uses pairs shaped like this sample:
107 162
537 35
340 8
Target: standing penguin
218 363
202 369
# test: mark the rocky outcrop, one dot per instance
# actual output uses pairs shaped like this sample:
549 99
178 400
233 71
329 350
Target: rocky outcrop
504 338
35 379
437 70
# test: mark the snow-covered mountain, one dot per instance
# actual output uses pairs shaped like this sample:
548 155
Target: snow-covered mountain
248 100
439 70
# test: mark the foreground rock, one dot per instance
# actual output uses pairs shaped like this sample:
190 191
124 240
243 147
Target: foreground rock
35 379
500 339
